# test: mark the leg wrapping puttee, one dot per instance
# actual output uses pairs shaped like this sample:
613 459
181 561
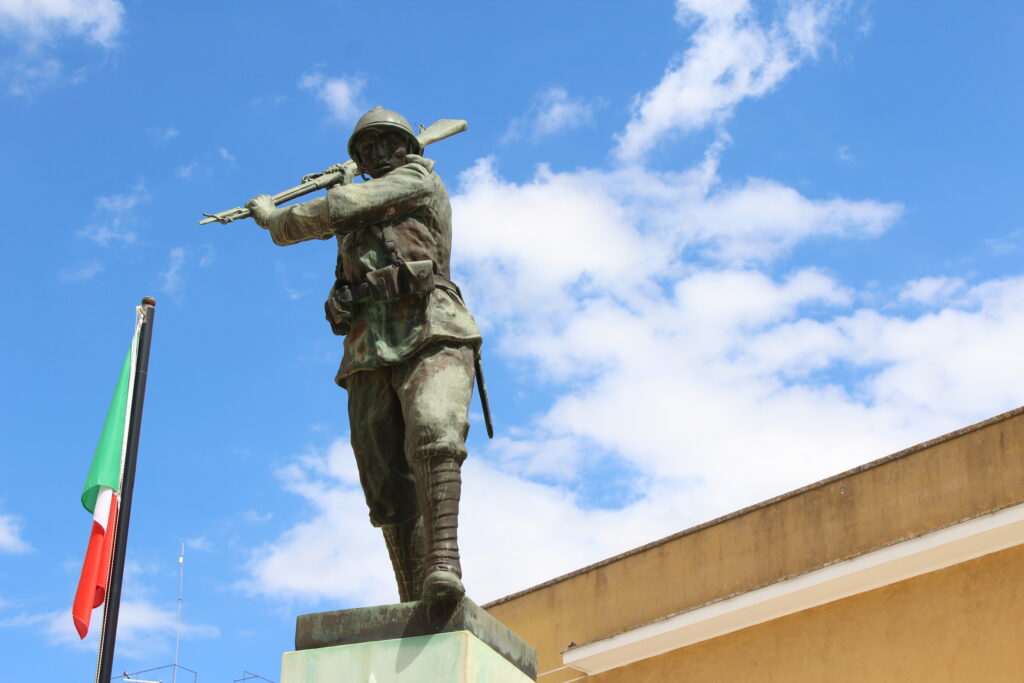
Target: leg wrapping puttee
405 546
442 488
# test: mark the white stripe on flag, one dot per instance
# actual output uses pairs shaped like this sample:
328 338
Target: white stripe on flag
101 513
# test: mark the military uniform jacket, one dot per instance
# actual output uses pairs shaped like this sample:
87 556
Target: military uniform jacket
413 201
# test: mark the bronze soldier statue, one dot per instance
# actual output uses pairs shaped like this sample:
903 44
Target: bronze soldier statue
410 343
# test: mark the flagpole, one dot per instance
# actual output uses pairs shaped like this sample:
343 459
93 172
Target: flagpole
112 605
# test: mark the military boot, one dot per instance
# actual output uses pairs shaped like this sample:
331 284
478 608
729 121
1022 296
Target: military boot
442 487
405 546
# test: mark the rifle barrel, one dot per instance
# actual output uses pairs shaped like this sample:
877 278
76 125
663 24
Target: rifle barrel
439 130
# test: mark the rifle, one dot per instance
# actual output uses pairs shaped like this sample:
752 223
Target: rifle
439 130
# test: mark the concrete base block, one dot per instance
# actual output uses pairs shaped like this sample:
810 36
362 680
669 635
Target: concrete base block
453 657
406 621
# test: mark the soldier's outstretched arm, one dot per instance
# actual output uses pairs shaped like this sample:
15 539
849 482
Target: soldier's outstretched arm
292 224
348 207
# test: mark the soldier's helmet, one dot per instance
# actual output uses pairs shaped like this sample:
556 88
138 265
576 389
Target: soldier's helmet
381 118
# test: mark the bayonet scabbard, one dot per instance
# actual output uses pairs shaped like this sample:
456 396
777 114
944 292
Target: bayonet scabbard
484 403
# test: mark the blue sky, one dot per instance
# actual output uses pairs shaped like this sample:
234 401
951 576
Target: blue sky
718 250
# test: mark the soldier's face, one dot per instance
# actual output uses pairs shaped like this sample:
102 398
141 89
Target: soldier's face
381 152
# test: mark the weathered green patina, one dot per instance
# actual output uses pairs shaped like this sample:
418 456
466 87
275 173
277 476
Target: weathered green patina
410 343
412 202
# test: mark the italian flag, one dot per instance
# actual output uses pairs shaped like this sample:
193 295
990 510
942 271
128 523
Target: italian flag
100 495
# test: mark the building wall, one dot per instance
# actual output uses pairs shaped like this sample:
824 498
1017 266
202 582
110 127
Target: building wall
977 470
963 624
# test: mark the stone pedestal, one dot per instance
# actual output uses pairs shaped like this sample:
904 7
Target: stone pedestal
455 657
410 642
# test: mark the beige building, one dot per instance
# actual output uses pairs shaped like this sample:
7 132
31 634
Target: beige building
908 568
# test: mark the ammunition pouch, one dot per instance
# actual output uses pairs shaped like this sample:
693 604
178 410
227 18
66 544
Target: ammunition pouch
403 279
407 278
339 315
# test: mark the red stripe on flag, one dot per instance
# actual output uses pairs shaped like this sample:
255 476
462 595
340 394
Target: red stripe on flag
92 584
107 554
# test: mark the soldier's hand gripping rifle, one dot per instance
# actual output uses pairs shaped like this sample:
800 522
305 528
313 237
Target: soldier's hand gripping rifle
440 130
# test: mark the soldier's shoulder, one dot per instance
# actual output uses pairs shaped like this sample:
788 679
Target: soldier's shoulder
421 162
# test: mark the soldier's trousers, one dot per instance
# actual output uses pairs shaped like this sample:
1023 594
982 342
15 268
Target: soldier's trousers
402 414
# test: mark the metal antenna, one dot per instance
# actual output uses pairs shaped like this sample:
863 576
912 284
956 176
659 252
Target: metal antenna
177 633
129 676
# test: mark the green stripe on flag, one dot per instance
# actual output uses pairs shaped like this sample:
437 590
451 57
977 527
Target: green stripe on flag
106 463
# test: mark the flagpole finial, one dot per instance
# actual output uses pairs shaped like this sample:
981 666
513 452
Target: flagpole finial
148 301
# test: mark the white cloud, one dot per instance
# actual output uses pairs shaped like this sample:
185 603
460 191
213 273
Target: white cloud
41 21
200 543
931 290
807 23
207 166
1001 246
82 271
10 536
207 255
104 234
257 517
144 629
341 95
342 556
172 278
561 235
185 172
762 218
732 58
36 25
27 76
119 203
115 218
551 111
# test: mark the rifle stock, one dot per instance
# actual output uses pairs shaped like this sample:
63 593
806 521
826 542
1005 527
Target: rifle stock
439 130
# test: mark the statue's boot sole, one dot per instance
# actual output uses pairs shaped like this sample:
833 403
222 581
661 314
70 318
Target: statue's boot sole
443 585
